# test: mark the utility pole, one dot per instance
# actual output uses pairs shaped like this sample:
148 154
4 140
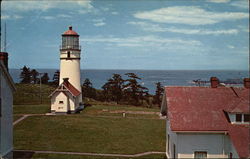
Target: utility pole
40 75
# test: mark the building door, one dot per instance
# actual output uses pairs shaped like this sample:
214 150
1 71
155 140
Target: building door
200 154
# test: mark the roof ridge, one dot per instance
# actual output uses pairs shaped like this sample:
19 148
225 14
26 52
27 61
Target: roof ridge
235 92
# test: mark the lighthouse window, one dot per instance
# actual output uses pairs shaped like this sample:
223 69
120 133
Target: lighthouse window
68 53
60 102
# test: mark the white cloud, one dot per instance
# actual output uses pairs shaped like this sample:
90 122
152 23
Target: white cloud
192 15
64 16
157 28
241 4
243 28
230 46
142 41
99 22
105 9
56 16
48 17
114 13
218 1
5 17
25 6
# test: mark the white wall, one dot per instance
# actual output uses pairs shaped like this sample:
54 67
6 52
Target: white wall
172 141
70 68
6 127
55 106
69 102
216 145
72 102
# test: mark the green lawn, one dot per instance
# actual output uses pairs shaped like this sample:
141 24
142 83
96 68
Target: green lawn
59 156
31 109
30 94
79 133
96 109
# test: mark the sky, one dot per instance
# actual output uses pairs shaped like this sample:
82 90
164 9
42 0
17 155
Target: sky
131 34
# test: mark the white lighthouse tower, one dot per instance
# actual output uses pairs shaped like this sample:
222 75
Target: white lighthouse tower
68 96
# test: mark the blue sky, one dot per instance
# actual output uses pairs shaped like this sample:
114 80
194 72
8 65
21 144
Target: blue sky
129 34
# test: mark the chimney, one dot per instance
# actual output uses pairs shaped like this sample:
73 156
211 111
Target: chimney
66 80
214 82
247 83
70 27
4 58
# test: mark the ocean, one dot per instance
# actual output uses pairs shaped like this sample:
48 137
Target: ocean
149 77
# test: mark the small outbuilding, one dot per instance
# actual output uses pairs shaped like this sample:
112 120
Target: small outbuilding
65 99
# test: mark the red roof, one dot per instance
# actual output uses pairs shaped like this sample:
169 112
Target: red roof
70 32
201 109
71 88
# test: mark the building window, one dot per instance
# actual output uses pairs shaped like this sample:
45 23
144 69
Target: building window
238 117
246 117
60 102
68 54
200 154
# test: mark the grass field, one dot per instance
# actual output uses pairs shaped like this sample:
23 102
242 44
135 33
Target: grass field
31 109
30 94
90 134
59 156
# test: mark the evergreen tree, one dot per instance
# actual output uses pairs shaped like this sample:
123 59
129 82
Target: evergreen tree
133 90
158 94
88 90
34 75
114 88
25 75
45 78
56 77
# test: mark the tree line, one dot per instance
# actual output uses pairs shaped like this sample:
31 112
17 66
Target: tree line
123 91
116 89
28 76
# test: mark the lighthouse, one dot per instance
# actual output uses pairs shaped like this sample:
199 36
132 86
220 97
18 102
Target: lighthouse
67 98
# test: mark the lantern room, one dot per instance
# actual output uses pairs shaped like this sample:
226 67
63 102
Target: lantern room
70 40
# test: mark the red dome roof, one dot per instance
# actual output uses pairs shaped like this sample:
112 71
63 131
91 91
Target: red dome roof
70 32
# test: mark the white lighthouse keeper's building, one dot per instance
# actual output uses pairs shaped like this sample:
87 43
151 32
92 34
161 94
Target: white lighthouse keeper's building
68 96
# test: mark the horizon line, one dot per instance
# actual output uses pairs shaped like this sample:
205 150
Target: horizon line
146 69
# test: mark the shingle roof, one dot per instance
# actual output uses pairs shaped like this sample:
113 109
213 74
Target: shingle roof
68 87
71 88
201 109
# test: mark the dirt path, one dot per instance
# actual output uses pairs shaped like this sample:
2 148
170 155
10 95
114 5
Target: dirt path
92 154
24 116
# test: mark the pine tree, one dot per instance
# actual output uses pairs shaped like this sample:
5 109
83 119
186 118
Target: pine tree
45 78
25 75
133 90
88 90
114 88
34 75
158 94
